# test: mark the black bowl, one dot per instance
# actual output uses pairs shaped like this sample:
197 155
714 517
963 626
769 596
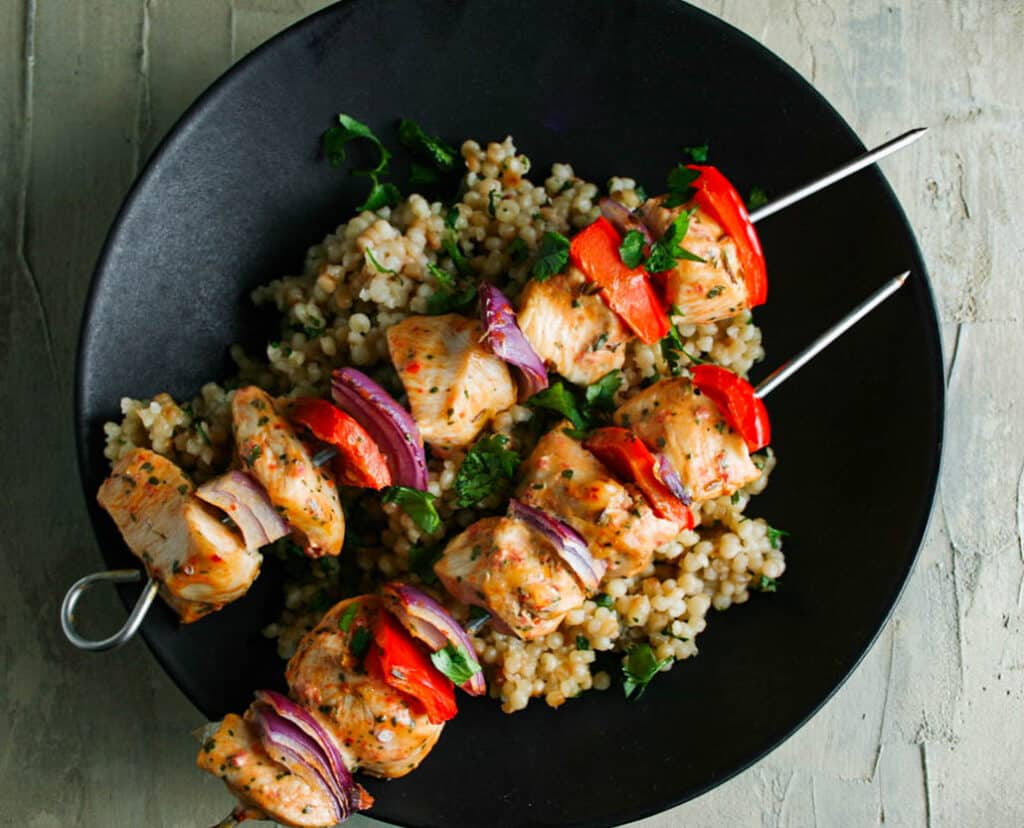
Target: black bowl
239 190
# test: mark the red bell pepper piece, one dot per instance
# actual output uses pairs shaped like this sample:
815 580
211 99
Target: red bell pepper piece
397 658
628 291
359 461
719 199
742 409
626 455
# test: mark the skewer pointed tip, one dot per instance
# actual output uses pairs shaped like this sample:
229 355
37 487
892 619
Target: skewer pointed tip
902 278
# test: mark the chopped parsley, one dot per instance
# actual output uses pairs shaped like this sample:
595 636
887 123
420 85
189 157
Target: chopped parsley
254 454
348 616
517 250
679 185
632 248
451 247
416 504
360 642
640 667
490 202
445 301
455 663
672 349
335 142
434 150
443 277
668 249
717 290
450 297
422 560
422 174
774 535
758 198
582 642
201 431
600 396
375 263
488 468
766 584
603 599
699 155
552 256
567 474
556 397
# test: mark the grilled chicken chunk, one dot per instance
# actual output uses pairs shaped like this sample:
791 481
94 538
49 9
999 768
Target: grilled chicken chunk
574 332
703 291
200 563
377 728
712 460
563 478
305 496
514 572
234 753
455 385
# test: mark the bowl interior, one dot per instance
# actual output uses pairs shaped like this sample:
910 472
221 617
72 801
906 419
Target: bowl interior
239 190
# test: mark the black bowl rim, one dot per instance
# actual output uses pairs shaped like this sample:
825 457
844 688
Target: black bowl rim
221 86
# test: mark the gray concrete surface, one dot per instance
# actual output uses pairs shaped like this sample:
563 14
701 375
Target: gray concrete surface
929 731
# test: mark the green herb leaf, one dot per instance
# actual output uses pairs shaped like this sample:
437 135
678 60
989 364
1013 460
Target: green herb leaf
601 395
632 248
451 217
557 397
422 560
552 256
668 249
455 663
582 642
413 138
488 468
774 535
603 599
335 141
381 195
766 584
449 301
443 277
375 263
679 189
348 616
360 642
517 250
454 251
758 198
640 667
416 504
490 202
336 138
422 174
699 155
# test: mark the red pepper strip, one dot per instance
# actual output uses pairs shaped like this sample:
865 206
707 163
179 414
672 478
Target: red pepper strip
738 402
626 455
359 461
404 665
719 199
628 291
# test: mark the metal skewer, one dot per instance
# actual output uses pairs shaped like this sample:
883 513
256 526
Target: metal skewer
776 378
838 174
787 369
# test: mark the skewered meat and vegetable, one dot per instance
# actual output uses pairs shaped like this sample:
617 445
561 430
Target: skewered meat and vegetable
305 496
572 329
200 563
561 477
454 383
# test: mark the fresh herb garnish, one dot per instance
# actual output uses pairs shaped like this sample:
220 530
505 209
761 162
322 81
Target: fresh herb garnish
454 251
488 468
699 155
416 504
640 667
766 584
335 141
632 248
552 256
774 535
443 277
360 642
201 431
422 560
348 616
517 250
717 290
448 301
556 397
758 198
436 151
600 396
375 263
254 454
582 642
490 202
422 174
455 663
679 189
668 249
603 599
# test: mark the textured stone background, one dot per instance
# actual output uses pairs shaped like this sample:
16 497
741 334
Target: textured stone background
927 732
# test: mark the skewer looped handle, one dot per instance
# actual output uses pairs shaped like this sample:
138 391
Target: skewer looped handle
130 627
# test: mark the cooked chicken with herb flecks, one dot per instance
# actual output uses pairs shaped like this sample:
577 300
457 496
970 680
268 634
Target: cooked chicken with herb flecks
700 291
235 754
563 478
306 496
513 571
200 563
572 329
378 729
454 383
710 458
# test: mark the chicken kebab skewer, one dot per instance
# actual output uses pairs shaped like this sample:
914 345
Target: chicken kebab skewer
198 567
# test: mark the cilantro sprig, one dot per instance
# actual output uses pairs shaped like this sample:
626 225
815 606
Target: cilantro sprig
488 467
416 504
417 141
667 250
586 408
632 248
455 663
335 144
639 668
552 256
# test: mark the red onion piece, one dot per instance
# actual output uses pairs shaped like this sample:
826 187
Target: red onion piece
308 750
506 340
431 623
391 426
571 546
244 501
624 220
667 474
